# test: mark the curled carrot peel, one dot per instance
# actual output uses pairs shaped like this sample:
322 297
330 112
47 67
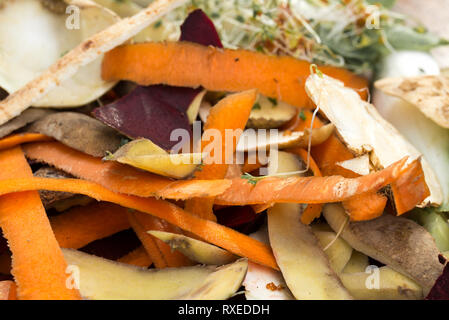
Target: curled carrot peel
20 138
250 167
164 257
327 155
365 207
312 211
80 226
193 65
409 190
8 290
119 177
227 116
38 265
406 195
138 257
308 189
149 244
226 238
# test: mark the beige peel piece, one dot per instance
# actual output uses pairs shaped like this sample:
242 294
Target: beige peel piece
81 55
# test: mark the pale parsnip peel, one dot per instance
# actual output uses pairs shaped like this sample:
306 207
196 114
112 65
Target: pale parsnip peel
364 130
83 54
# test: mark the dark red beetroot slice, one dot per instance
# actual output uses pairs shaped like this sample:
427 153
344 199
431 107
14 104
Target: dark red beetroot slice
200 29
440 290
178 97
140 114
154 112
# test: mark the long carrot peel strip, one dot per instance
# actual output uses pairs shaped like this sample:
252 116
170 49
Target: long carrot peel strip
230 113
250 167
118 177
138 257
312 211
209 231
20 138
192 65
409 190
149 244
164 257
8 290
38 265
308 189
81 225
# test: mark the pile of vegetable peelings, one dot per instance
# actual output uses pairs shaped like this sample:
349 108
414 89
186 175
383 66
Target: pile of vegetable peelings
350 201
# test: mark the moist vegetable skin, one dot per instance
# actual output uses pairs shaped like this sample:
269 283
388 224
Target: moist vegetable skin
8 290
312 211
165 257
366 206
35 250
80 226
192 65
304 265
196 250
212 232
20 138
362 128
145 155
397 242
230 113
138 257
309 189
79 131
327 156
28 116
103 279
121 178
408 188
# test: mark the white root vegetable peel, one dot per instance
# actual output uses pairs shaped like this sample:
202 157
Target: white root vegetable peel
83 54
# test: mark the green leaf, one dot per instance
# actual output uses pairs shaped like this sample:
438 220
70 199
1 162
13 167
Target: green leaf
385 3
435 223
251 179
257 106
273 101
405 38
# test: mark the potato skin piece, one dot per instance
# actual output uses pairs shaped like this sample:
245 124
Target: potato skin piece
79 132
397 242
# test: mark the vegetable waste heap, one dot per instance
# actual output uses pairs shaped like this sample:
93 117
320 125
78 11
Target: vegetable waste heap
204 149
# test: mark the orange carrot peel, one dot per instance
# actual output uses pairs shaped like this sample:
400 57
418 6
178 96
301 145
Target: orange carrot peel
38 265
209 231
119 177
80 226
138 257
158 251
309 189
229 115
192 65
312 211
8 290
20 138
